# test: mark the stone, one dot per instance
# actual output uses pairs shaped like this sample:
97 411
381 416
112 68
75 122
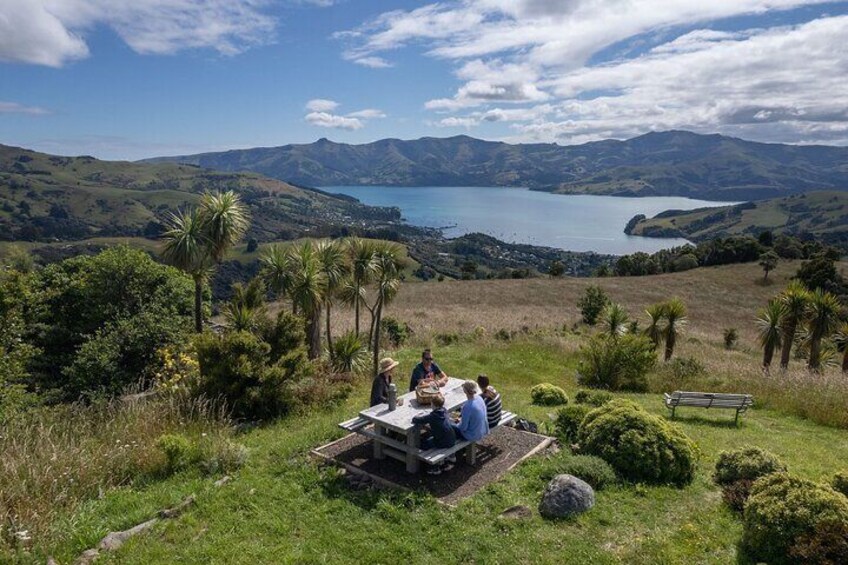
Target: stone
519 512
566 496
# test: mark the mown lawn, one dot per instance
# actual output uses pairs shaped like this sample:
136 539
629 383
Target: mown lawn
283 507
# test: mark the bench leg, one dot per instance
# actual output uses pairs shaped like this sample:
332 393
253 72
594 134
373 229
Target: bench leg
378 445
471 454
736 421
413 440
672 411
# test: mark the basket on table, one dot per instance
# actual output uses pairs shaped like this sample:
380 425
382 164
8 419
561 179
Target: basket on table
425 392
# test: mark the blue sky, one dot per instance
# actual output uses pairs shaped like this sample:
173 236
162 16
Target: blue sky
127 80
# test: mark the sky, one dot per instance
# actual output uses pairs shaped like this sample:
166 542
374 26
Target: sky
129 79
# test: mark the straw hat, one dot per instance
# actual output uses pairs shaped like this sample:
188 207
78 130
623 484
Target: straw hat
387 364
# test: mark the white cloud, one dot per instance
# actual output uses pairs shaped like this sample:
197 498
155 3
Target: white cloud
321 105
327 120
15 108
368 114
372 62
52 32
321 115
781 83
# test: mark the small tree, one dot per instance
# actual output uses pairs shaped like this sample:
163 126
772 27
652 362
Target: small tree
592 303
794 299
614 320
821 319
731 336
675 318
556 268
771 332
654 331
768 261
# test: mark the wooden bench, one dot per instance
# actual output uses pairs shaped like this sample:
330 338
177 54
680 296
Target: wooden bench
354 425
436 455
738 402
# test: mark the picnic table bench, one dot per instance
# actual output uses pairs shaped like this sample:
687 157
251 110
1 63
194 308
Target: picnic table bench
378 421
738 402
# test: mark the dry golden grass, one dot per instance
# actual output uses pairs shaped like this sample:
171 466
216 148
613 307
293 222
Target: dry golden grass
56 457
717 298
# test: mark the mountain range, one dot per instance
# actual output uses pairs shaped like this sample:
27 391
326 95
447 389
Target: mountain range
672 163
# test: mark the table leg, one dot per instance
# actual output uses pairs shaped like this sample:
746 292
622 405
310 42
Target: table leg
378 445
471 454
413 440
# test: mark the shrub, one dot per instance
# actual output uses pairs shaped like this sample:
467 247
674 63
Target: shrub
594 470
221 455
640 446
747 463
179 452
546 394
826 545
568 421
348 354
840 482
593 397
784 513
445 339
592 303
616 363
736 494
503 335
239 368
731 336
394 332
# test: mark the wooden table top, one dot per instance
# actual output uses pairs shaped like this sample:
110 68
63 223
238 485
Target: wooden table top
400 419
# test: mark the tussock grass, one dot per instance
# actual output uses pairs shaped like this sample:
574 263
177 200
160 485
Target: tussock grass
55 458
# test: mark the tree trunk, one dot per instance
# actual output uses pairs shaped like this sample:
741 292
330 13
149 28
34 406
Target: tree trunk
814 362
377 335
768 355
329 335
669 345
198 304
313 332
845 360
356 310
788 338
373 319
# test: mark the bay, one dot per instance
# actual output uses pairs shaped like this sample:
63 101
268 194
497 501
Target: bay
517 215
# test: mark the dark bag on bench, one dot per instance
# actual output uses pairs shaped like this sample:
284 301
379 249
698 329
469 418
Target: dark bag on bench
526 426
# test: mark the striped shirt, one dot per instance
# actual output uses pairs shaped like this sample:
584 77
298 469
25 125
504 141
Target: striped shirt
493 407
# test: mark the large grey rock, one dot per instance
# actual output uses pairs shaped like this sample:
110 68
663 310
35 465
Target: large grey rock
565 496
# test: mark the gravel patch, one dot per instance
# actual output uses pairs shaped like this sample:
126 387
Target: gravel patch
496 453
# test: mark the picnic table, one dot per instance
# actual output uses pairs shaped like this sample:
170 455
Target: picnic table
377 421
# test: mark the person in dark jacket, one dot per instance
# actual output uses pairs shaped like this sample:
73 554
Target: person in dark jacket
427 371
380 386
441 431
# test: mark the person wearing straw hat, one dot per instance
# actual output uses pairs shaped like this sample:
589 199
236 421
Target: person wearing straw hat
380 386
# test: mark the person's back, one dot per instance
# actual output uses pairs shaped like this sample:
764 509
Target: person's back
440 427
494 407
473 423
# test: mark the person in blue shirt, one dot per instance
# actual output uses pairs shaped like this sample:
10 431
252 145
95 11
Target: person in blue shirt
427 370
473 425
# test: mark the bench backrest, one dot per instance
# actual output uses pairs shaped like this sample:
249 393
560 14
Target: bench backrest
716 398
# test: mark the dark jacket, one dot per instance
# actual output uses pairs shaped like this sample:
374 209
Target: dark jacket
419 373
440 427
380 389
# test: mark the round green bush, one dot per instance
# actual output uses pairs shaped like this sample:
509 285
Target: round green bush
594 470
568 421
840 482
640 446
747 463
593 397
547 394
179 451
783 515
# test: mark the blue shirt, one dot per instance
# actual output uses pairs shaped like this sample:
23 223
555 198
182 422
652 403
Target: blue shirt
473 424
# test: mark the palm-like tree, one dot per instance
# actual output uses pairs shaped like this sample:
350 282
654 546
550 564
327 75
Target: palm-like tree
186 247
821 321
389 263
675 318
614 320
795 299
278 271
333 260
654 331
246 309
307 291
225 221
363 267
771 331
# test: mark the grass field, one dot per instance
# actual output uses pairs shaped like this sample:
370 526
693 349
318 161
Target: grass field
283 507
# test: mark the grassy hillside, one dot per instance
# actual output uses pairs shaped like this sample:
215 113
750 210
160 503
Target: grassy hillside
47 198
823 215
675 163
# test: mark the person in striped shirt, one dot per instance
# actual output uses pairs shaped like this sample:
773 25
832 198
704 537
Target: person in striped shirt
492 399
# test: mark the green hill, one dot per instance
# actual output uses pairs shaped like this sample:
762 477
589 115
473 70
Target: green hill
823 215
47 198
674 163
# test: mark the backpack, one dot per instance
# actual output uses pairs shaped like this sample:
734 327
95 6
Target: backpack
526 426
